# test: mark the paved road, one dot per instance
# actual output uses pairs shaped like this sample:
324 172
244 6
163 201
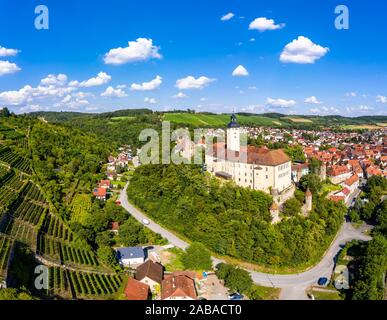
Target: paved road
293 285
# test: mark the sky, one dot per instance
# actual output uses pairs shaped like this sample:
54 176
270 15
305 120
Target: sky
216 56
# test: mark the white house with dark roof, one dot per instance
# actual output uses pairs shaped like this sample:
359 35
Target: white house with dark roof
130 256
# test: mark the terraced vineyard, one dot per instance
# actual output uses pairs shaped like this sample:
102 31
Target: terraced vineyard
31 191
14 160
20 231
54 227
80 207
87 285
65 253
6 247
10 186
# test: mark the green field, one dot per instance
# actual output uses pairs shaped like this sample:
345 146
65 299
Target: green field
219 120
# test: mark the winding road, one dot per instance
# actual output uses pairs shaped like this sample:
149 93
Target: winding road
293 285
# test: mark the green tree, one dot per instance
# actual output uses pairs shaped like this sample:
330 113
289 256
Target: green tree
107 255
197 257
291 207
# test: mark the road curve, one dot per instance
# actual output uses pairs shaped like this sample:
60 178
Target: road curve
288 282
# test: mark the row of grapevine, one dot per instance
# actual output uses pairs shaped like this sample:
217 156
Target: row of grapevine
31 191
54 227
13 181
14 160
6 246
21 231
92 284
49 248
73 255
29 212
58 282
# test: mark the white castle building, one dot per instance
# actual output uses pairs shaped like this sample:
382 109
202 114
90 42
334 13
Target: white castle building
249 166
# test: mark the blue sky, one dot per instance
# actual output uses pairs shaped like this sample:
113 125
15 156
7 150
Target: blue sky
182 55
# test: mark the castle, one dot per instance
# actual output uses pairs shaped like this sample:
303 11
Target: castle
249 166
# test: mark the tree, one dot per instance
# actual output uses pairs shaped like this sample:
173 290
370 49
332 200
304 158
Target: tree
4 112
314 166
15 294
354 216
197 257
311 181
292 207
107 255
234 278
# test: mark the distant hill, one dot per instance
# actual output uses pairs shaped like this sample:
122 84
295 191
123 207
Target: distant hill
208 119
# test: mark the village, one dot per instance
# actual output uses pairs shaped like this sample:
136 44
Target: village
347 160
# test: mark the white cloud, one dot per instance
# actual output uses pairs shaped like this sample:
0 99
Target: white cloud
99 80
16 97
146 86
55 80
7 67
302 50
4 52
252 88
252 40
240 71
150 100
312 100
365 108
227 16
179 95
203 99
351 94
140 50
114 93
280 103
193 83
381 99
263 24
314 110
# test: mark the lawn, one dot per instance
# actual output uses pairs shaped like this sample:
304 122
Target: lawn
328 187
172 259
267 293
326 295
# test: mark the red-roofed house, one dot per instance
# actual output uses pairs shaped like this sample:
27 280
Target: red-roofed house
352 183
100 193
179 287
338 174
104 184
136 290
373 171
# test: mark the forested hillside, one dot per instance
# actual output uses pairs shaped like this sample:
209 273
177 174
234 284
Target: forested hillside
232 220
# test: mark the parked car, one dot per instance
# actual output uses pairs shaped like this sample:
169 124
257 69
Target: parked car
145 221
236 296
322 281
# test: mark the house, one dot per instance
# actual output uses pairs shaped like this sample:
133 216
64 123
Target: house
178 287
150 273
338 174
130 256
104 184
100 193
352 183
136 290
299 170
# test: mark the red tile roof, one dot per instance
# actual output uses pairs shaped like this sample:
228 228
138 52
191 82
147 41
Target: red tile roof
104 183
136 290
336 198
99 192
178 286
350 181
254 155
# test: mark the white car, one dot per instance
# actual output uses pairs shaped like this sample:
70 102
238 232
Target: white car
145 221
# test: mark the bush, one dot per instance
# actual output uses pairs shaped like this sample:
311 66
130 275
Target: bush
234 278
354 216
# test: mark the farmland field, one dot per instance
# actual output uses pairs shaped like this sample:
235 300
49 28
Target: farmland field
218 120
365 126
298 120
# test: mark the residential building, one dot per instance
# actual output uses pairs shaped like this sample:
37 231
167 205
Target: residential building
136 290
178 287
150 273
130 256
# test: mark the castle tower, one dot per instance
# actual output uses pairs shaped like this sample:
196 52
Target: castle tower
323 171
308 200
233 134
274 212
